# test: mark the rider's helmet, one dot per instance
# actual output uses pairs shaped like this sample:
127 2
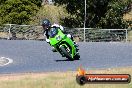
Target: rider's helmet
46 24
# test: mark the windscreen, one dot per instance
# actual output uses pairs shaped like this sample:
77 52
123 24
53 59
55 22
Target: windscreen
53 32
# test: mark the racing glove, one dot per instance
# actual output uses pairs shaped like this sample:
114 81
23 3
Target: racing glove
47 40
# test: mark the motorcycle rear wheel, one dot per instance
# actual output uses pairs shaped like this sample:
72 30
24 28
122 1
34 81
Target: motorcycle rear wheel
77 56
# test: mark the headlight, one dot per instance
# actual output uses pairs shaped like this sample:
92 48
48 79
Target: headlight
58 38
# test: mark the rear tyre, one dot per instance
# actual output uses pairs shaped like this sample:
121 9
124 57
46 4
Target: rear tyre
77 56
65 52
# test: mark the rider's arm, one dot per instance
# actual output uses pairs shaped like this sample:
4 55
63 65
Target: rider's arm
47 36
61 27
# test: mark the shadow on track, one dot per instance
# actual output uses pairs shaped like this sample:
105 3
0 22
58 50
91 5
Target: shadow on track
64 60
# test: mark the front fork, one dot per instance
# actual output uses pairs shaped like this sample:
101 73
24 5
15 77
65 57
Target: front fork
72 52
67 49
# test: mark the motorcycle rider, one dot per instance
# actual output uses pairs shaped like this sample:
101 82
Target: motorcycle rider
46 26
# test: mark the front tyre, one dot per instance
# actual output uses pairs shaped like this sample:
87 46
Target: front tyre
66 53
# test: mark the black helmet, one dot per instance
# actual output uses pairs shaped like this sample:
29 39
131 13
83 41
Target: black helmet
46 22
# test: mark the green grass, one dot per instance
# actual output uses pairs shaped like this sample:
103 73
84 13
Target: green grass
58 79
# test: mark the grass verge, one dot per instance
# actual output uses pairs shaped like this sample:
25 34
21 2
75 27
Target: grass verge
58 79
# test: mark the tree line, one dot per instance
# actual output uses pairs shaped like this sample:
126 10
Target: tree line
18 11
100 13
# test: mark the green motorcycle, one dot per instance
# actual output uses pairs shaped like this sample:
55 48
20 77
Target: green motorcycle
63 44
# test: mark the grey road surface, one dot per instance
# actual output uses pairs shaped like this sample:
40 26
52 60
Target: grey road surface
36 56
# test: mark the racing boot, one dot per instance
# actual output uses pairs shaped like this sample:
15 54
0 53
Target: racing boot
53 49
76 45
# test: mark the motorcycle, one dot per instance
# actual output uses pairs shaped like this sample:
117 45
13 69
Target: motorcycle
63 44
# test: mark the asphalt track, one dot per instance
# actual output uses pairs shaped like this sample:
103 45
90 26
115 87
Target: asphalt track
36 56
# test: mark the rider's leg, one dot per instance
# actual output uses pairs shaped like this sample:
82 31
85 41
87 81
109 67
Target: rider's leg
71 37
76 45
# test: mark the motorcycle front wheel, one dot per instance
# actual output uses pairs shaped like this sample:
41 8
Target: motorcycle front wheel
66 53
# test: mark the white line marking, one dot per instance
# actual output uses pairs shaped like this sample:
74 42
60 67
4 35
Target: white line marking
3 59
